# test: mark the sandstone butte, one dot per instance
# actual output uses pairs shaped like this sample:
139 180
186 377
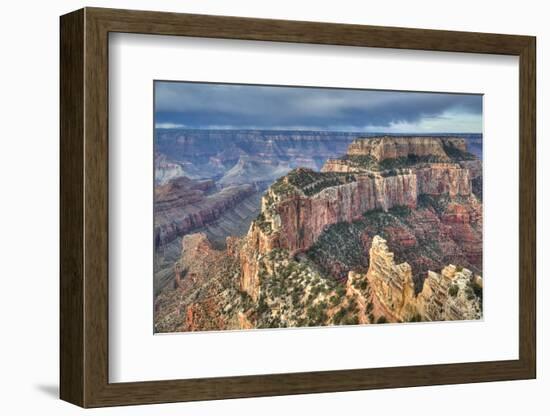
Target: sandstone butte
428 179
293 219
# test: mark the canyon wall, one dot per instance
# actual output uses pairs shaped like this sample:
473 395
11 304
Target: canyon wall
256 244
295 222
443 178
390 147
165 169
183 205
340 166
295 213
212 153
301 219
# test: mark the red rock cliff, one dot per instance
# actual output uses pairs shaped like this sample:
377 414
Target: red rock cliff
295 214
391 147
183 205
301 219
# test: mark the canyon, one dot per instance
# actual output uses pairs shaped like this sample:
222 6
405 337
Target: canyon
300 207
200 154
390 231
183 205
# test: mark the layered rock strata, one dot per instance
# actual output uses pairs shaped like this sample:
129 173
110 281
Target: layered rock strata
165 169
299 207
392 283
390 147
205 295
448 296
183 205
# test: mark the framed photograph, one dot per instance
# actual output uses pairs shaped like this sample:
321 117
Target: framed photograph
255 207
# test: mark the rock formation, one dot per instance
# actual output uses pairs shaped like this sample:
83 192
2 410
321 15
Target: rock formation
391 147
254 170
298 208
204 296
443 179
212 153
452 295
448 296
165 169
392 283
296 220
183 205
357 242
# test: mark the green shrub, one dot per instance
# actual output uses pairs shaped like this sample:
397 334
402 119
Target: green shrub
351 320
453 290
415 318
352 305
262 306
340 290
456 154
339 316
401 211
361 284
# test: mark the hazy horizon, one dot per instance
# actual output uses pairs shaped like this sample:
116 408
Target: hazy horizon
405 133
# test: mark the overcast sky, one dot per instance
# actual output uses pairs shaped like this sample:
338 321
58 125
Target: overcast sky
227 106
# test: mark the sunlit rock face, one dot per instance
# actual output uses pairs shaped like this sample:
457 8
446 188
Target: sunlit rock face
392 283
390 147
451 295
447 296
299 207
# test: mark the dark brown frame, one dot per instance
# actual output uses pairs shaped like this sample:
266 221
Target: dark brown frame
84 208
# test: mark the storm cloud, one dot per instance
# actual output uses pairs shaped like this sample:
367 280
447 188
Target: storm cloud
230 106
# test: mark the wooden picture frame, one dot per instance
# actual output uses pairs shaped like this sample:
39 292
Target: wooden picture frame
84 207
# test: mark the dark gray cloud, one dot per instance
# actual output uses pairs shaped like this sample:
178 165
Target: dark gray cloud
201 105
